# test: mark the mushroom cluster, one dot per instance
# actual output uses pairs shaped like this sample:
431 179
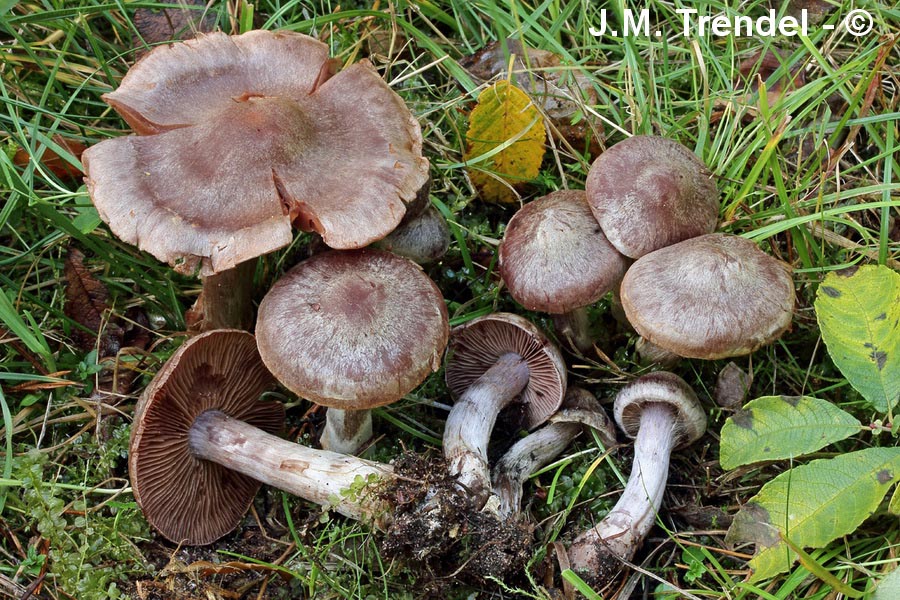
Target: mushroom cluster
239 138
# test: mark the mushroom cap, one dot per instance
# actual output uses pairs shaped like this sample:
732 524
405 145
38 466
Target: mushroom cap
666 388
648 192
709 297
475 347
554 257
423 239
581 407
245 135
187 499
353 329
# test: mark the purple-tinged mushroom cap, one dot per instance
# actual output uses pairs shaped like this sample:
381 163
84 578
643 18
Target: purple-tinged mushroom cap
648 192
353 330
244 136
554 257
709 297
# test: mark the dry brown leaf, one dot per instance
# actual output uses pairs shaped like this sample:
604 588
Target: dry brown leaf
170 24
506 125
86 304
52 161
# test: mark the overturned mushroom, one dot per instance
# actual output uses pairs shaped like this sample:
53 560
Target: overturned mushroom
352 330
491 362
202 443
555 258
580 409
661 412
239 137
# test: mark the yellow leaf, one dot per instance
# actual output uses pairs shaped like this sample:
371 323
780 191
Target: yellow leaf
505 142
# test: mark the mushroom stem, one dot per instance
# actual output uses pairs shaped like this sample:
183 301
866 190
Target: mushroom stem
575 327
526 456
597 552
227 298
469 425
346 430
327 478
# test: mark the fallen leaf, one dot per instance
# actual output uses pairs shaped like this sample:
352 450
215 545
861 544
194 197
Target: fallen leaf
52 161
561 92
505 142
170 24
86 304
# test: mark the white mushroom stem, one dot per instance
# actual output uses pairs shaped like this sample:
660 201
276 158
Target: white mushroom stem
621 532
327 478
346 431
525 457
469 425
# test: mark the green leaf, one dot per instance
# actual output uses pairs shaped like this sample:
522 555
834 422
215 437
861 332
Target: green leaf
813 504
889 587
776 427
859 315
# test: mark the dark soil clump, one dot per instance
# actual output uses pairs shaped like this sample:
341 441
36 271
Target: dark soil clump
436 524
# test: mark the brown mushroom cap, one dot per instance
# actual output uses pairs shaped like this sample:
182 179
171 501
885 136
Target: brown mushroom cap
665 388
709 297
475 347
648 192
353 330
245 136
190 500
554 257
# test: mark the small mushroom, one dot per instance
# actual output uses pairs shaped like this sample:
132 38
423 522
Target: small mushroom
493 361
580 409
352 330
709 297
239 137
423 239
648 192
202 443
555 258
661 412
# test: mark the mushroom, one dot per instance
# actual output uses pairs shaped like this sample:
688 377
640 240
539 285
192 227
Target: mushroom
423 239
661 412
202 443
352 330
493 361
580 409
239 137
648 192
709 297
555 258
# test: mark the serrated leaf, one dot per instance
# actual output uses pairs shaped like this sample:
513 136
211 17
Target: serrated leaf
859 315
889 587
813 504
505 141
776 427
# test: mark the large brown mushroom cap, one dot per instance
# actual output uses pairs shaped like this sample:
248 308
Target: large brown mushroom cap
245 136
475 347
648 192
190 500
709 297
353 330
554 257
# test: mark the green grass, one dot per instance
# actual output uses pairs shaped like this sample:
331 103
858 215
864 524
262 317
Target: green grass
68 520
